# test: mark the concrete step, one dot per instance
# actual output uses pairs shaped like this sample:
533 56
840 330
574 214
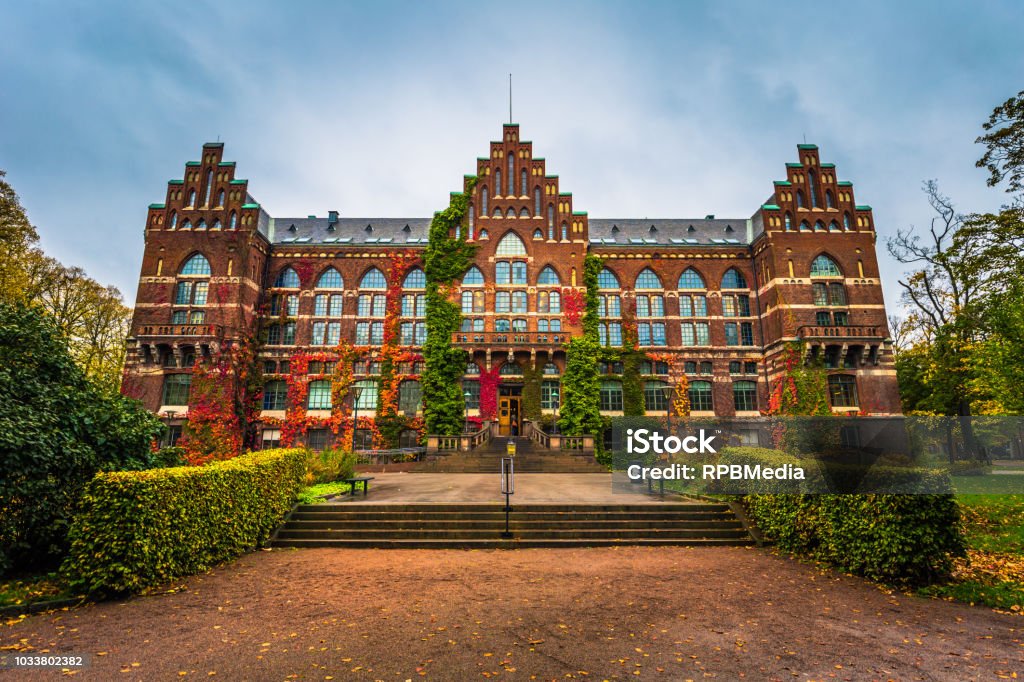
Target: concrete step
530 524
514 543
497 507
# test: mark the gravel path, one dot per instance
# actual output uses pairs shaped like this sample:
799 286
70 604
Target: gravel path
602 613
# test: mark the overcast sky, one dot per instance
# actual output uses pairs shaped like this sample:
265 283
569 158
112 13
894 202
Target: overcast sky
676 109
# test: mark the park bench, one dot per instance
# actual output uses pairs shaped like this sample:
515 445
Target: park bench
356 480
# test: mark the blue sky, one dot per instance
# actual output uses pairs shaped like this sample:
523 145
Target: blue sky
377 109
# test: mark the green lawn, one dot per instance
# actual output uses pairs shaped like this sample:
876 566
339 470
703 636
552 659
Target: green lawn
993 573
31 589
313 494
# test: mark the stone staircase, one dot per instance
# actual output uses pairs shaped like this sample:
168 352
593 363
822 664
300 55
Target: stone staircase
530 458
479 526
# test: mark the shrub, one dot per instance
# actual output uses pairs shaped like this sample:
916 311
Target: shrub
137 529
329 465
57 429
907 539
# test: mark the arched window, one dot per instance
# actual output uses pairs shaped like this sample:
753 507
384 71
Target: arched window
186 225
196 265
823 266
233 222
472 221
220 198
813 188
548 276
691 279
744 396
551 369
511 245
415 280
606 279
799 198
565 232
511 213
789 222
192 198
647 279
522 184
830 201
216 225
287 279
373 279
497 212
804 226
510 369
732 279
484 234
537 234
473 277
511 175
701 396
524 213
819 226
472 369
551 221
174 220
842 390
483 201
846 221
330 279
497 183
536 201
209 188
201 225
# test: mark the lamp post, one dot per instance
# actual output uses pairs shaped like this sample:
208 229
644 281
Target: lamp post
558 402
667 391
356 392
466 395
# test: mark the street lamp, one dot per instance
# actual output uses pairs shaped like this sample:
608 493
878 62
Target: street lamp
466 395
558 402
356 392
667 391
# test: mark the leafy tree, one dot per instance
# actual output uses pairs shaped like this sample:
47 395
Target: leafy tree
18 250
1004 143
57 429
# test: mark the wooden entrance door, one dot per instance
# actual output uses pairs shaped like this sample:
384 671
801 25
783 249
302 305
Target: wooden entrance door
508 415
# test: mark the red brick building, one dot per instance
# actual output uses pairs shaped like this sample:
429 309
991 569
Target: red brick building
713 298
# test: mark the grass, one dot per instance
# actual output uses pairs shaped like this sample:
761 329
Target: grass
31 589
993 572
314 493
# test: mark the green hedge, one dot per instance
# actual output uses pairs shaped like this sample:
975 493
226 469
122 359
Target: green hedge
908 539
137 529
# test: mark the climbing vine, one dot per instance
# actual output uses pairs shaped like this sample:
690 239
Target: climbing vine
490 380
580 413
448 256
799 391
531 392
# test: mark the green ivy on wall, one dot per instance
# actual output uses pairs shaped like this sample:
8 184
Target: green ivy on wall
531 393
446 260
580 413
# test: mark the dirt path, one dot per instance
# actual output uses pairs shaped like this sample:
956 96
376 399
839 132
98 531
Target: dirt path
603 613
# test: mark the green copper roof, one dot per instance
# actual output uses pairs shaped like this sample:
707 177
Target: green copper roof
192 163
565 194
770 207
794 165
250 205
579 213
213 144
786 183
157 206
238 182
175 182
845 183
807 146
828 165
226 163
863 208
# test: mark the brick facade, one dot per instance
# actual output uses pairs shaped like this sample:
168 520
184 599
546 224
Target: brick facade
838 310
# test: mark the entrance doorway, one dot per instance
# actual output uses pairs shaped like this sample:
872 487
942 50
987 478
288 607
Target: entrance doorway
508 411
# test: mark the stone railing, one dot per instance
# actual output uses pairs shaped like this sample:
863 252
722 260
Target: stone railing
509 338
833 331
577 443
460 443
181 330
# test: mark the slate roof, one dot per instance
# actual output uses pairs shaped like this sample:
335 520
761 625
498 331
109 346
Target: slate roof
617 232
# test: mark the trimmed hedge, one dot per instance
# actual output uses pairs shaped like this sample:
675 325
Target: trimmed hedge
137 529
905 539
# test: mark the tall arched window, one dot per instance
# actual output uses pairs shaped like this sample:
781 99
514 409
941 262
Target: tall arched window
191 291
209 188
511 175
472 221
483 201
330 279
799 198
473 277
830 201
192 198
813 188
789 222
511 245
733 279
691 279
373 279
548 276
220 199
846 221
551 221
233 222
536 202
523 190
823 266
497 183
174 220
287 279
565 232
648 279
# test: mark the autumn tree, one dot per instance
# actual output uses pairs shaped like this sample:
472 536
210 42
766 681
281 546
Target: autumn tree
18 239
